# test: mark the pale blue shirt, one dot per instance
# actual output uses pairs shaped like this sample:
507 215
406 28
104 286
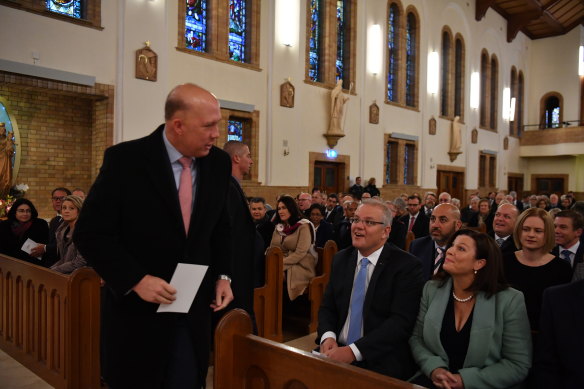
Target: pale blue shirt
174 155
373 258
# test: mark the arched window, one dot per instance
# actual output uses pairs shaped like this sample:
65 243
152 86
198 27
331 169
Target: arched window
393 46
459 77
411 59
196 26
551 110
330 45
484 91
494 81
445 73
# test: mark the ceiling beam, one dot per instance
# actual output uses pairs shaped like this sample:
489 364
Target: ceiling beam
481 8
518 21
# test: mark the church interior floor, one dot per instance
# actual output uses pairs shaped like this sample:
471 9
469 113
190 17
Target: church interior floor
13 375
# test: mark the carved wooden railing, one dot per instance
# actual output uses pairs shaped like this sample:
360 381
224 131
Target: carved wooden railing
49 322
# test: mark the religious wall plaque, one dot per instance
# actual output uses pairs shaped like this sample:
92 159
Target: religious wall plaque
287 92
432 126
146 63
374 113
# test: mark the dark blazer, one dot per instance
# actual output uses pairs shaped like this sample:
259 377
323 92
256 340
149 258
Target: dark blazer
131 226
336 215
323 233
342 234
421 225
398 233
51 255
11 245
558 361
266 229
579 258
508 246
424 250
389 311
466 214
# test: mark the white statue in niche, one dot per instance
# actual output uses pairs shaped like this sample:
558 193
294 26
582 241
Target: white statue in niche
455 139
338 100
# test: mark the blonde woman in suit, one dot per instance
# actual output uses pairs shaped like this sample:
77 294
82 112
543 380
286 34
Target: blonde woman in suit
472 330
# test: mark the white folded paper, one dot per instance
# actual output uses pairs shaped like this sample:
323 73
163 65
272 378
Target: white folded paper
28 246
186 280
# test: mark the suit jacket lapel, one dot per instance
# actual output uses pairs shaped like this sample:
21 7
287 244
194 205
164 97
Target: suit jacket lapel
349 277
434 318
379 268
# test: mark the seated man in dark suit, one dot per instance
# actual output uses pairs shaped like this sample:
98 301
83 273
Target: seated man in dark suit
342 233
503 225
334 212
371 301
415 220
558 361
431 249
568 226
257 207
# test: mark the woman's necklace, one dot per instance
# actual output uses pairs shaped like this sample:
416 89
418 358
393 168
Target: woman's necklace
465 300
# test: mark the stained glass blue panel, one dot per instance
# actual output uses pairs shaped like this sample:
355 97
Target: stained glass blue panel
410 60
556 117
235 130
407 162
237 30
196 25
388 165
66 7
341 23
392 45
314 40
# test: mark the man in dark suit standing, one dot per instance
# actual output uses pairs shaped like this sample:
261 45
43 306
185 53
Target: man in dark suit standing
431 249
558 361
503 225
243 232
568 226
135 246
371 301
416 221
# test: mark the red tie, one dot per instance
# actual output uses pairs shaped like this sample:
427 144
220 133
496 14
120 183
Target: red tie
412 221
185 190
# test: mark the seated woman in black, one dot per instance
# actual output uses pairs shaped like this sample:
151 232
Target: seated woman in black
23 223
324 230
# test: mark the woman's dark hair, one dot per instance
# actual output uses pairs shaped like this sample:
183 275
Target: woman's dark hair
320 207
295 212
12 213
490 279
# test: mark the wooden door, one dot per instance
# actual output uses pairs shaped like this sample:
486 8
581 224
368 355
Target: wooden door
451 182
549 185
328 176
515 183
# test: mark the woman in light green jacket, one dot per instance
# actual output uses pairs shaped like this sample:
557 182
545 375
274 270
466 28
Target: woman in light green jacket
472 330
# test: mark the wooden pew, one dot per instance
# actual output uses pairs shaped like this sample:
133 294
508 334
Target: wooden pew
318 284
243 360
49 322
267 300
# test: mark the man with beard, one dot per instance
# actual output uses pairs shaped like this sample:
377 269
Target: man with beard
431 249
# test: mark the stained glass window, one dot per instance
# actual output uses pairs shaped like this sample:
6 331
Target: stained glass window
235 130
458 77
410 60
66 7
391 163
196 25
237 30
393 47
340 61
315 40
444 111
494 98
409 159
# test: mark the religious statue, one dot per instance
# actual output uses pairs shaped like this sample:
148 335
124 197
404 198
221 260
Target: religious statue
146 63
287 94
455 139
338 100
6 153
374 113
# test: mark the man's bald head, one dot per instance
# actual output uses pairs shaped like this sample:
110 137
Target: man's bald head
182 97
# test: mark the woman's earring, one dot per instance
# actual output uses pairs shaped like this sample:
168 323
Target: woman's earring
475 272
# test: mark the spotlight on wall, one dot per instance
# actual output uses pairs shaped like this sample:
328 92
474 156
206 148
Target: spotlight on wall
581 61
433 72
512 109
475 90
287 21
374 49
506 103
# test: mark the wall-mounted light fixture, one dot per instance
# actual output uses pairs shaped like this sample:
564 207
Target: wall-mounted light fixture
331 154
433 72
475 90
506 103
581 61
512 109
287 21
374 49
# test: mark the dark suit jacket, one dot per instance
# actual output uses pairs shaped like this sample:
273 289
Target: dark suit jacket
579 258
508 246
558 359
342 234
398 233
424 250
389 311
336 215
11 245
324 233
51 256
421 225
266 229
131 226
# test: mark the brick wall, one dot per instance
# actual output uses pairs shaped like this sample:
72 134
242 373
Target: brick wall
64 129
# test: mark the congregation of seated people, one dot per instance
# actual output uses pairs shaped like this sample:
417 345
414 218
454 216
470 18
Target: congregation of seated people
421 288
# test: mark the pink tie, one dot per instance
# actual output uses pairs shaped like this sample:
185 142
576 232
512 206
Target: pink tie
185 190
412 220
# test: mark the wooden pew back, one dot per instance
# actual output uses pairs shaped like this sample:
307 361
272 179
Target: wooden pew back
267 302
243 360
318 283
49 322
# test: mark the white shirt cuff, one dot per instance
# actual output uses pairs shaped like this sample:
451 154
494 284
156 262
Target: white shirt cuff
358 356
326 335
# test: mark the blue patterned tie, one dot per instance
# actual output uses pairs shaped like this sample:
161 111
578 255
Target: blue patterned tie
566 256
357 299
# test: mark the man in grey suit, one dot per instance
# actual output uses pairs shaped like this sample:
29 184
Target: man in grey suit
159 201
371 301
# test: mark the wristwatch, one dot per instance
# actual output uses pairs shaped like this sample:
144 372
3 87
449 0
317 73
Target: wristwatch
224 277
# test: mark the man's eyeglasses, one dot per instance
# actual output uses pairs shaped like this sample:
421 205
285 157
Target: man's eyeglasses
55 198
368 223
